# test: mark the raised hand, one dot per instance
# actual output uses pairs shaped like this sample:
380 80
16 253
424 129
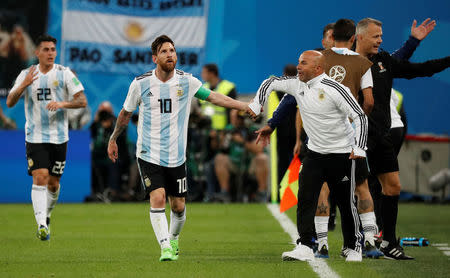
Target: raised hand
421 32
31 76
264 135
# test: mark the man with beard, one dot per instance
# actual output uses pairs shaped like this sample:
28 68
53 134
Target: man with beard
164 97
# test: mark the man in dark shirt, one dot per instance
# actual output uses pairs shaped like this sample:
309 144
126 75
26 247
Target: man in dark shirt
381 155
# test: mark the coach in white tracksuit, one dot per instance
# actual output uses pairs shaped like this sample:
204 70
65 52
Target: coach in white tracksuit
333 145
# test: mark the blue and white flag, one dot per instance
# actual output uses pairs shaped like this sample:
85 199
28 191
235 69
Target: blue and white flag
115 36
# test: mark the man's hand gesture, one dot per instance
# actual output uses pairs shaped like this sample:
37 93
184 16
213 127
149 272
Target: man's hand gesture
421 32
264 135
31 76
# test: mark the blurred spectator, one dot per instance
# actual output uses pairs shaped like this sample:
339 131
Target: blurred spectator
242 161
220 116
134 179
16 48
79 117
106 177
5 122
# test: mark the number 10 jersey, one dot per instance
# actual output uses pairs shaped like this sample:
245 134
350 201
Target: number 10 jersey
164 109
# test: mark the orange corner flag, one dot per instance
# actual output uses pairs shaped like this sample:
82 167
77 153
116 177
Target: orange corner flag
289 185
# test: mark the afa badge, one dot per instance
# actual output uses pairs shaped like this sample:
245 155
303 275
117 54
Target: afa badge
147 182
56 83
180 90
321 95
30 163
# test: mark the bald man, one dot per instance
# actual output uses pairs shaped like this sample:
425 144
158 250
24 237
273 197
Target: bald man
325 106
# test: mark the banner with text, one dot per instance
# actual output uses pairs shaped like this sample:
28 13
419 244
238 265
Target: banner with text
114 36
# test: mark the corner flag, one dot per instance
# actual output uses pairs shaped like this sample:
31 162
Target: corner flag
289 185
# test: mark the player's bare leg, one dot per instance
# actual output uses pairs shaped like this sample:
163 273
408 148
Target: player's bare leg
368 220
177 220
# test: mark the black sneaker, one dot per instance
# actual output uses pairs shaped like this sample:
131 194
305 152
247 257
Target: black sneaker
322 253
395 252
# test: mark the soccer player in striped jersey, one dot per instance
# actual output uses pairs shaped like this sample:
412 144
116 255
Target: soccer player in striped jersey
46 88
164 97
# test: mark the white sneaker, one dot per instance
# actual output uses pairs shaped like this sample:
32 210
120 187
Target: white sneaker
300 253
353 256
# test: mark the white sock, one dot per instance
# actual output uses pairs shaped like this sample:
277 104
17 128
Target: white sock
52 198
369 225
39 200
160 227
321 223
176 223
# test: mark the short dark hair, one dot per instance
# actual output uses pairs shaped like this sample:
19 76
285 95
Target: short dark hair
45 38
290 70
212 68
329 26
343 30
159 41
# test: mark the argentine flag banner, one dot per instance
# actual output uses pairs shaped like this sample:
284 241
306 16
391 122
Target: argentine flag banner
115 36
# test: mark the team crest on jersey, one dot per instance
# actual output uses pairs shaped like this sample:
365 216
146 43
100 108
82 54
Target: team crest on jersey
337 73
147 182
382 69
30 163
56 83
321 94
180 90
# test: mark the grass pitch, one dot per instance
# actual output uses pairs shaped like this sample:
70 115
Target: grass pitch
236 240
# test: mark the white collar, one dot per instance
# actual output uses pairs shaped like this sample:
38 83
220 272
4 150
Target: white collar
316 79
344 51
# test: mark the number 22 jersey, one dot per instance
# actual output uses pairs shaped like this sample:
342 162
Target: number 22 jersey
42 125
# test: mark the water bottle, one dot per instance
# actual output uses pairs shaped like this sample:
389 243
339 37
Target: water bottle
414 241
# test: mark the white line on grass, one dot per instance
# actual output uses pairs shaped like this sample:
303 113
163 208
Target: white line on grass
318 265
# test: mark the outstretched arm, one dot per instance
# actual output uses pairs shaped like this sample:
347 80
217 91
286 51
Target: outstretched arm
287 84
225 101
121 125
405 69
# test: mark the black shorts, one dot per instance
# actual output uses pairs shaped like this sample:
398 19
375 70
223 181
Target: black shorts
361 170
381 155
46 156
173 180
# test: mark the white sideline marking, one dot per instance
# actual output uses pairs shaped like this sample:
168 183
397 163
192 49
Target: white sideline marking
318 265
444 248
440 244
447 253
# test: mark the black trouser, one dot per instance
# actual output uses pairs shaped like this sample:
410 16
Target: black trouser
339 172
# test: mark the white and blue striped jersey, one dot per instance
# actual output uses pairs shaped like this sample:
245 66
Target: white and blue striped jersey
164 109
42 125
